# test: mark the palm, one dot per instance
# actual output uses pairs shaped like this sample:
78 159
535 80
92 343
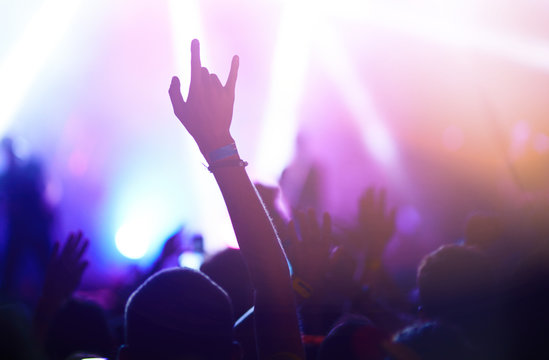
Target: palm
376 224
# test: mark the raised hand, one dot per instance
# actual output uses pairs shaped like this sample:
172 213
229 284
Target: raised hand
208 111
376 224
207 115
63 276
66 267
173 248
310 254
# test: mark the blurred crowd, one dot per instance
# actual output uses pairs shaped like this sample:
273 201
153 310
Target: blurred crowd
303 285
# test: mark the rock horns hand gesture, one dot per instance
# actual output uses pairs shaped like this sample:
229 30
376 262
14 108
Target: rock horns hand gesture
208 111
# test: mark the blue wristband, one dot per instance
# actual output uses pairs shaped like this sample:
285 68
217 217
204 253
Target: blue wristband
223 152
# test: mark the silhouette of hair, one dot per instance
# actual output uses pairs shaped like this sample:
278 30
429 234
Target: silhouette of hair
528 298
228 269
179 313
16 340
455 282
80 326
434 341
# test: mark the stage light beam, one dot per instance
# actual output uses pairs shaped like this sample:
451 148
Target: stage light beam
355 95
288 71
24 62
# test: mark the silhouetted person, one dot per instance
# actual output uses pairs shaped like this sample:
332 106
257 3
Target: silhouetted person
228 269
527 306
16 339
433 341
28 227
207 115
179 313
457 285
79 327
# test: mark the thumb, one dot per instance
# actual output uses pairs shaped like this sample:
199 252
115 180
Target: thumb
176 98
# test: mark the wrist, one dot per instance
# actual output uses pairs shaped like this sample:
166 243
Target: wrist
223 153
224 156
233 161
213 144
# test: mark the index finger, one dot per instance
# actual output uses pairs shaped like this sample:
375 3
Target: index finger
195 61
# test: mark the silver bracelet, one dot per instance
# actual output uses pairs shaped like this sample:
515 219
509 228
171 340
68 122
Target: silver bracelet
227 163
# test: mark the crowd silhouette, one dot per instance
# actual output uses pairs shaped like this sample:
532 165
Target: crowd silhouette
299 287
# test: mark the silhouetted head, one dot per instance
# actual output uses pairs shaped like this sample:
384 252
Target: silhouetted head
528 302
16 338
228 269
178 314
80 326
455 283
432 341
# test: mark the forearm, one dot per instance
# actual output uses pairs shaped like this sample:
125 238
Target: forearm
254 230
274 300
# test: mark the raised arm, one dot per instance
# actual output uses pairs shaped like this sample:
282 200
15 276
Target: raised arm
207 116
63 276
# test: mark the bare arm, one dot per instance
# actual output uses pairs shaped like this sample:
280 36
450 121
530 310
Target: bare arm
207 115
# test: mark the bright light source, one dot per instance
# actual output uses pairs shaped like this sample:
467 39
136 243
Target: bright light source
191 260
133 240
145 208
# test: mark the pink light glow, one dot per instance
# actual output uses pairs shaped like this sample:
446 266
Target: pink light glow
380 87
